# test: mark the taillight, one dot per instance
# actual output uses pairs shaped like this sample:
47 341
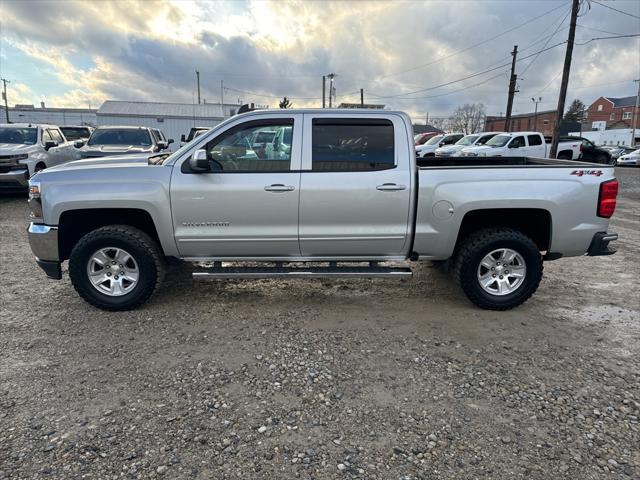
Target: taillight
607 198
581 147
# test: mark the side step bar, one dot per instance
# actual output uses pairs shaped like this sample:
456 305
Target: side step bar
302 272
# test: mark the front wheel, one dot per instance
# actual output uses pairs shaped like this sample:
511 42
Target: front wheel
117 267
498 268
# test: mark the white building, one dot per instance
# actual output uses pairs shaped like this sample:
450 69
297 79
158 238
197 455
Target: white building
174 119
55 116
616 136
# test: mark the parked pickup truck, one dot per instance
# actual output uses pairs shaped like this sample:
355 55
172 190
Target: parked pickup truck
112 140
523 144
26 148
345 191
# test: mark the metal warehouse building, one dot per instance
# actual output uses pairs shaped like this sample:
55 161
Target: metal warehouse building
174 119
55 116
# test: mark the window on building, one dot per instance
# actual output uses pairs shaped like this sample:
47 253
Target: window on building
612 116
599 108
545 122
626 115
352 145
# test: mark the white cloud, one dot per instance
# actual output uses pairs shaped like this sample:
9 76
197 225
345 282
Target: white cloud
149 50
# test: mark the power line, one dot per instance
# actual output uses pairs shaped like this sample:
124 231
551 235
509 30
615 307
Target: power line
631 35
616 10
598 30
472 75
472 46
451 92
546 43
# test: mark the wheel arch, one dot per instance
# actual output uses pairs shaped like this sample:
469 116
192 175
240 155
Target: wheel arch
74 224
536 223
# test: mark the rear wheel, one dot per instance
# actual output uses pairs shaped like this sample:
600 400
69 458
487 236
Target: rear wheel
498 268
117 267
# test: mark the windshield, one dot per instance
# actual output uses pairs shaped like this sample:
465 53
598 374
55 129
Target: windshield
120 136
17 135
499 141
434 140
468 140
75 133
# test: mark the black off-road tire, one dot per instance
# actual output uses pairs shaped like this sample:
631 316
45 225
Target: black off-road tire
141 246
474 248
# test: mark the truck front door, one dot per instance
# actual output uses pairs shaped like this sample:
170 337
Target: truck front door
355 190
246 205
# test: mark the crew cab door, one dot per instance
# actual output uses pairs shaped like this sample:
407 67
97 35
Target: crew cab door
355 189
536 146
246 205
517 147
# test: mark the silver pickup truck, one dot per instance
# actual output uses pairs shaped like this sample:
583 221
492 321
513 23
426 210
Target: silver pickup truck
335 193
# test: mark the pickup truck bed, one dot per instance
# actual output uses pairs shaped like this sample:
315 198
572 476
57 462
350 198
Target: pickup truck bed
332 186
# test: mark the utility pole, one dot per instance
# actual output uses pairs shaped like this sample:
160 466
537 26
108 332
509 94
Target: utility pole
426 122
198 83
362 97
331 77
635 116
535 114
4 95
324 87
512 89
221 94
565 78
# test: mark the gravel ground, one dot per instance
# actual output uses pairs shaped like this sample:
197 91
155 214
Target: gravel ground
371 379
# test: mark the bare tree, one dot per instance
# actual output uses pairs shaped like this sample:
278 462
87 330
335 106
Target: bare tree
441 123
469 118
285 103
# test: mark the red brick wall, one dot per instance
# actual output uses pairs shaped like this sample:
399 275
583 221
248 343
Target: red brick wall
544 123
610 114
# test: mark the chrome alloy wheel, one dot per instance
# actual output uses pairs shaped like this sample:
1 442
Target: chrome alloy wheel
113 271
502 271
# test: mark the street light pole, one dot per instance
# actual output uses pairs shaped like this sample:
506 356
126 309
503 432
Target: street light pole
535 115
635 116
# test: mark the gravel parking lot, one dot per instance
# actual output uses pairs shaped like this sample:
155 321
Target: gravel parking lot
370 379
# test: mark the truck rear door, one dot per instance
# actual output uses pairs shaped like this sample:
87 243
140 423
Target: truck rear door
355 186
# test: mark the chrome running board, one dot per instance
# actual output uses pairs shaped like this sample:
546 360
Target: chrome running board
302 272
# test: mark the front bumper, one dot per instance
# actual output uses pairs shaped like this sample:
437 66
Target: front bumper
600 244
44 245
14 180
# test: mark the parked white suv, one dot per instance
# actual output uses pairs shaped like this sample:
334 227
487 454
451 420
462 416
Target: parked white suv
523 144
27 148
475 139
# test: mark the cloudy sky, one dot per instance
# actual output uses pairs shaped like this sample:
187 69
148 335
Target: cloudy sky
420 56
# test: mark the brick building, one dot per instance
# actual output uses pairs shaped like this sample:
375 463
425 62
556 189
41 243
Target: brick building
617 112
543 122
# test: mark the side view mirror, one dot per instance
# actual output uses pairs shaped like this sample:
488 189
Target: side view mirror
170 141
183 138
199 162
78 143
162 145
441 144
513 145
50 144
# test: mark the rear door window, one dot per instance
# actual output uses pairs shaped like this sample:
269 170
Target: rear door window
534 140
353 145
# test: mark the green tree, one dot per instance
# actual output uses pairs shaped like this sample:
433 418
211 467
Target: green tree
575 111
285 103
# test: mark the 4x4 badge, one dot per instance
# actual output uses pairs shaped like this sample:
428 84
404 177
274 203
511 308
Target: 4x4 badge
581 173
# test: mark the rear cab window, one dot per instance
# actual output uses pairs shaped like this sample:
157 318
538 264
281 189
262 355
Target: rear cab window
352 144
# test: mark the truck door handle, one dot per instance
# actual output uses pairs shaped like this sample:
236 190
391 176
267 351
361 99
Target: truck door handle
391 187
279 187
